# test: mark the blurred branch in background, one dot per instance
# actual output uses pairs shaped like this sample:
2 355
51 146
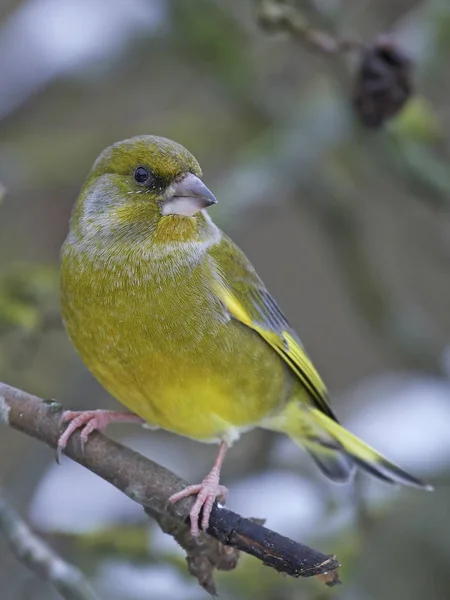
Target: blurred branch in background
383 76
40 558
151 485
403 326
282 15
323 125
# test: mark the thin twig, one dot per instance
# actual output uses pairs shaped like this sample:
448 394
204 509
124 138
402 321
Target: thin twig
40 558
151 485
282 15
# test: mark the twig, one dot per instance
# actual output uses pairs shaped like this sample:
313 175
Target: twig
40 558
282 15
150 485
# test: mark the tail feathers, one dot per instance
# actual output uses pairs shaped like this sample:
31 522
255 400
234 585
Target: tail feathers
332 461
359 453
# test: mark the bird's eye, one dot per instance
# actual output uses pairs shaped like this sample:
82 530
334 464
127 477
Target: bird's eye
141 175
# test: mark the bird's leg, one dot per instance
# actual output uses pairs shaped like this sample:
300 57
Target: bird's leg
207 491
89 421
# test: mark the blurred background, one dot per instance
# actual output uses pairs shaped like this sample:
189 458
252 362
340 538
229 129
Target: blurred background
348 225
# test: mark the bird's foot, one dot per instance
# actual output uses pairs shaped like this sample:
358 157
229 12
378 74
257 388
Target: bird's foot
89 421
207 492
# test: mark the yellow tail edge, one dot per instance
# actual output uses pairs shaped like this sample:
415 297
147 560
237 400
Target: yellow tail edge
363 455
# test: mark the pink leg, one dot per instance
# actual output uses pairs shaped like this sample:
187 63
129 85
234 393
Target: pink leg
207 491
89 421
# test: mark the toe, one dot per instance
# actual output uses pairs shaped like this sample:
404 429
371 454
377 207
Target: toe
62 443
190 490
67 415
75 420
222 494
63 439
194 516
207 509
207 492
88 428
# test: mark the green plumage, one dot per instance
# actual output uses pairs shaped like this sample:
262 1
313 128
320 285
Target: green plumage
173 320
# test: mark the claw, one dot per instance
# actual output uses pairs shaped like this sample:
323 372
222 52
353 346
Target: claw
206 492
88 421
58 455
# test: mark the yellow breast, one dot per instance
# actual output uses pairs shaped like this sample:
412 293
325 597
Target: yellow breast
168 350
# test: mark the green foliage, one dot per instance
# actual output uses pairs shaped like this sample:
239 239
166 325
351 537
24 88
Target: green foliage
419 122
126 541
210 35
29 308
28 297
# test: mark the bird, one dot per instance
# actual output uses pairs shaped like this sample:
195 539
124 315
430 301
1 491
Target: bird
172 319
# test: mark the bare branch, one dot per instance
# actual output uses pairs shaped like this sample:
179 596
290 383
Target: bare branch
282 15
151 485
40 558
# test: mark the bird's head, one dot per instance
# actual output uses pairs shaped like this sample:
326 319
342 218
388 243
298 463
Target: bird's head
143 190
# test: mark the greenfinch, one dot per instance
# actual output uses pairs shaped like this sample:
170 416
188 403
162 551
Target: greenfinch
172 319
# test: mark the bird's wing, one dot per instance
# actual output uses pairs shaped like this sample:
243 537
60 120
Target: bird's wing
244 295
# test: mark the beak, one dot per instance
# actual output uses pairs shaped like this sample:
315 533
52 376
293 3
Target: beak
187 197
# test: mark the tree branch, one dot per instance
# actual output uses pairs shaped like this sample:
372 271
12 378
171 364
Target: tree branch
151 485
282 15
40 558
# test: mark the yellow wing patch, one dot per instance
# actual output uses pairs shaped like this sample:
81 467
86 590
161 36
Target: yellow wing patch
306 366
286 346
234 306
